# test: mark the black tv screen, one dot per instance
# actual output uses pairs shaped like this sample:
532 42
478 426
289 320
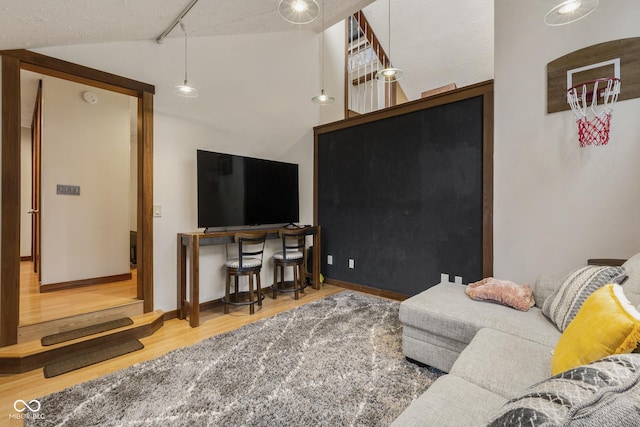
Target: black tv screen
236 190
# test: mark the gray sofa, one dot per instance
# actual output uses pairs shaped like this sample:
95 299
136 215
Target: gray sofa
491 353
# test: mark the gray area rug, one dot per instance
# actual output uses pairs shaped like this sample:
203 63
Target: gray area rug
334 362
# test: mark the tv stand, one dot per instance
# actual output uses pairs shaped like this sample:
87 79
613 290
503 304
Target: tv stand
196 239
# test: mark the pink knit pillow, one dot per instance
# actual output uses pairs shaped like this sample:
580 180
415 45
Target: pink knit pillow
502 292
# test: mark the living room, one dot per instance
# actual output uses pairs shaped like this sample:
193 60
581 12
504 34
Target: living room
555 205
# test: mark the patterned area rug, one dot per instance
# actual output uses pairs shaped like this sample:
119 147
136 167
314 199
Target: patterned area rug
333 362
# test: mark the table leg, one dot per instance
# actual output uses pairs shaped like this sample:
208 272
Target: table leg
182 278
194 306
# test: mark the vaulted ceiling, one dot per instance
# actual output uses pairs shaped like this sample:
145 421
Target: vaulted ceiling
41 23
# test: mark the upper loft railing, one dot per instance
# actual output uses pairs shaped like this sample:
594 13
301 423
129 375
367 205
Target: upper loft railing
365 57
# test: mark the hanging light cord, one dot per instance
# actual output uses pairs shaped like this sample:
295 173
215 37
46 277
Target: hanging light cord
322 47
389 15
185 49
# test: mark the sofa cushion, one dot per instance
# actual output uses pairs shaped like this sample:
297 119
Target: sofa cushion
446 311
606 324
451 402
563 305
632 285
502 292
603 393
503 363
543 287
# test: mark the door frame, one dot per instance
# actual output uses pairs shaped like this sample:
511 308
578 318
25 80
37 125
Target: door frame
13 61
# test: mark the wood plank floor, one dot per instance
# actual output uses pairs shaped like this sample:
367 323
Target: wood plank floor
36 307
174 334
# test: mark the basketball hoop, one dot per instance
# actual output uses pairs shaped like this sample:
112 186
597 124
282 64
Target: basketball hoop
594 121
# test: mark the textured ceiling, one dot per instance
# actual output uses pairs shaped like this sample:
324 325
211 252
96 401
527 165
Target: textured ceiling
435 42
41 23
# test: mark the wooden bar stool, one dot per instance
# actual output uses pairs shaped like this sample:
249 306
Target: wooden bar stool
291 255
248 263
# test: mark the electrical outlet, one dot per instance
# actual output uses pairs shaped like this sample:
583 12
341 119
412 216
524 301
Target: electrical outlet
352 263
329 259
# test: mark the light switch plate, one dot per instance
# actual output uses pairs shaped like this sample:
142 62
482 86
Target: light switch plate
68 190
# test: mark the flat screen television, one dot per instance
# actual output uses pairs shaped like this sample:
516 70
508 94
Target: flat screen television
236 191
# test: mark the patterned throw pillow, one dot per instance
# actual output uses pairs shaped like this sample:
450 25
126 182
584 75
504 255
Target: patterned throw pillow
603 393
563 305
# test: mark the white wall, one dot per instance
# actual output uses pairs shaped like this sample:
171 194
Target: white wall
25 192
556 205
85 236
255 100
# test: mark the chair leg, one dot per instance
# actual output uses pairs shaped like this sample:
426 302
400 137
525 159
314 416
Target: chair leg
275 281
227 294
295 281
251 295
259 289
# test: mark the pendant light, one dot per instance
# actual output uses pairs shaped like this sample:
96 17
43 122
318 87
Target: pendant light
184 89
322 99
389 74
570 11
298 11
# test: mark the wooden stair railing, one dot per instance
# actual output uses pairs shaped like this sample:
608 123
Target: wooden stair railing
393 93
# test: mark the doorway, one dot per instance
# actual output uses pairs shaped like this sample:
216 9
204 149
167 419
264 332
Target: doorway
12 63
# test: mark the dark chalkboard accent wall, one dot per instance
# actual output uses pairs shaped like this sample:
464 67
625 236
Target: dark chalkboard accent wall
407 195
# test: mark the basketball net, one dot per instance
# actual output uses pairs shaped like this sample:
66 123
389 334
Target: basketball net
593 119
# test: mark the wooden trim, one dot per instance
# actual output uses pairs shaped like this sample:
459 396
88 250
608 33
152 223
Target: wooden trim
50 66
207 305
145 201
25 258
10 225
438 90
487 185
367 290
609 262
478 89
12 62
84 282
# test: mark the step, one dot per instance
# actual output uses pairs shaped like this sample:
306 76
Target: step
32 354
35 331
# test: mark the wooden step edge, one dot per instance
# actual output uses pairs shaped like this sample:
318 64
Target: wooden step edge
28 358
35 346
125 305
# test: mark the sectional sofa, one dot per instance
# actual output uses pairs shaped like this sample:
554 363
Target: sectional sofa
499 360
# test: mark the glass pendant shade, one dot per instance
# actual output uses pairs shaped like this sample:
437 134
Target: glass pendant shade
570 11
298 11
323 99
389 74
185 90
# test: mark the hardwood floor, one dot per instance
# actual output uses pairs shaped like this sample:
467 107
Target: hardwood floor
36 307
174 334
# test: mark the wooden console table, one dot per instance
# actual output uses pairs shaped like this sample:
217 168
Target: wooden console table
195 240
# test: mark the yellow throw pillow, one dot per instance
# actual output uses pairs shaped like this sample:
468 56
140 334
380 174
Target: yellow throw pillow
606 324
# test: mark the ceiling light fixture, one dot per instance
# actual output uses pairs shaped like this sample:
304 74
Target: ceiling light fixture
298 11
389 74
570 11
185 90
322 99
